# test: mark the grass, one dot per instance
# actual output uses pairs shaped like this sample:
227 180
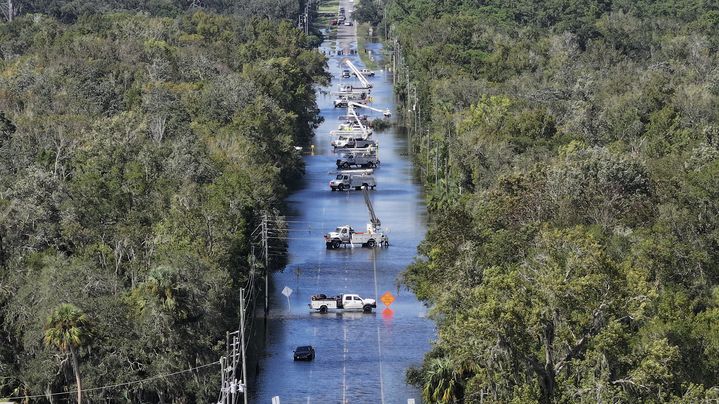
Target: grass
362 37
329 6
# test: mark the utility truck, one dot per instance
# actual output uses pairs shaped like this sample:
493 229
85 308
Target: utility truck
362 159
357 72
365 72
346 236
323 303
353 142
347 180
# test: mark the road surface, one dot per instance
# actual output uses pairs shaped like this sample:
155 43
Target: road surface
360 358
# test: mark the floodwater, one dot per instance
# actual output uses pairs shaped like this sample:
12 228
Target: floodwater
360 358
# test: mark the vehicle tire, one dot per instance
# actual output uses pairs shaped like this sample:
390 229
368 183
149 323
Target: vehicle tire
370 164
367 308
323 309
377 163
336 244
371 244
372 187
345 165
341 187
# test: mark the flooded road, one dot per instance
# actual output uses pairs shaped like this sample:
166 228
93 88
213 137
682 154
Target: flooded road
360 358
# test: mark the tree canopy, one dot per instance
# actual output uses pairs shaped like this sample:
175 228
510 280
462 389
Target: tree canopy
139 149
569 153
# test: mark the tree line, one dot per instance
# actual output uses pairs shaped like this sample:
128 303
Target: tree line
140 143
570 152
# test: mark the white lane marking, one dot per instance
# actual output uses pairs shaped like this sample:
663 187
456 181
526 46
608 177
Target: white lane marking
344 368
379 349
379 338
374 270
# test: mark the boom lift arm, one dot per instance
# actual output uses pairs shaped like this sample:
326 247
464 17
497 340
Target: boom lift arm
352 112
374 220
359 74
352 104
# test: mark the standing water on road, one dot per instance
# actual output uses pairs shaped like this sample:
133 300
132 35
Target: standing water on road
360 358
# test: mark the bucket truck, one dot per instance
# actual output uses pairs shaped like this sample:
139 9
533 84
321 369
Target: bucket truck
347 236
357 72
353 180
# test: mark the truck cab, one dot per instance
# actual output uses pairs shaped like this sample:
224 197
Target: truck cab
352 302
344 233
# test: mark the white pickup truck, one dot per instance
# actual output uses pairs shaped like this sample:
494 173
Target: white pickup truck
322 303
348 181
346 235
357 160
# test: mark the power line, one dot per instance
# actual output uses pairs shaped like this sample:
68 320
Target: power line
111 386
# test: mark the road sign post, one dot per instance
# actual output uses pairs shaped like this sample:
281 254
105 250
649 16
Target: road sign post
287 291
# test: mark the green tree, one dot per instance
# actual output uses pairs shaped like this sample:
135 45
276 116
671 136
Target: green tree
67 329
443 383
368 11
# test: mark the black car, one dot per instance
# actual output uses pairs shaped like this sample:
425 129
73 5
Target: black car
304 353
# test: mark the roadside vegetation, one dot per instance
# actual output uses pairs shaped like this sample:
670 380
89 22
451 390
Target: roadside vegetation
139 146
570 152
363 37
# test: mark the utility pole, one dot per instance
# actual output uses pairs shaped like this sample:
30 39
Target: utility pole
223 393
233 383
265 244
230 386
243 382
228 369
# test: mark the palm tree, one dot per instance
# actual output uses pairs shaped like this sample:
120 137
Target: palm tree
66 330
443 383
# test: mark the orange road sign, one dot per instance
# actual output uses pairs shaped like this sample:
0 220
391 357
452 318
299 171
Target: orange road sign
387 299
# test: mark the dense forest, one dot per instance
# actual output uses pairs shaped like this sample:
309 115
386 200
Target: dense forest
140 143
570 151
